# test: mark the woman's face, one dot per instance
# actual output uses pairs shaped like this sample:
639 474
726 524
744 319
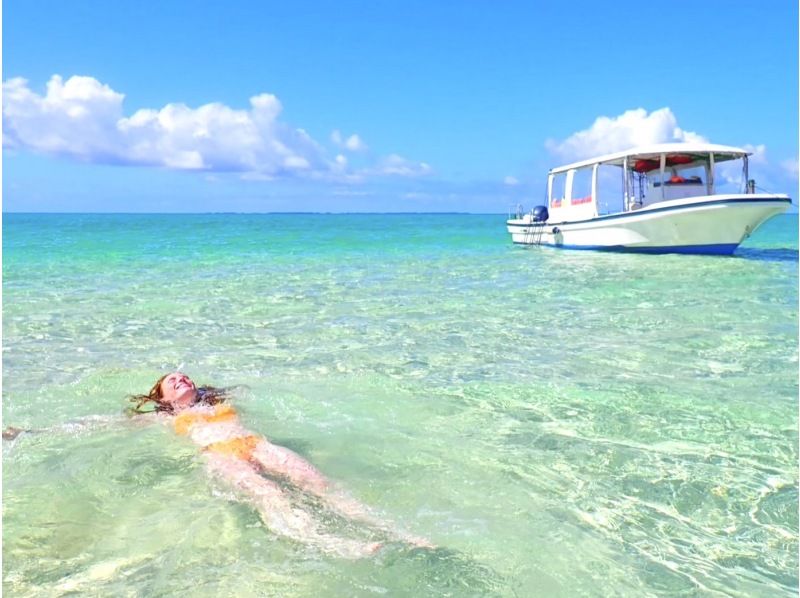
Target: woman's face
178 390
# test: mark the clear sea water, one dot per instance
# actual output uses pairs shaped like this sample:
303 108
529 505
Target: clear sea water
557 423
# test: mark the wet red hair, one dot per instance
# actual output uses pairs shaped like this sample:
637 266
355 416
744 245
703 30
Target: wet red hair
206 395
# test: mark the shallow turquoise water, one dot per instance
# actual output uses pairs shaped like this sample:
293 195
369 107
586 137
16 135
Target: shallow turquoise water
558 423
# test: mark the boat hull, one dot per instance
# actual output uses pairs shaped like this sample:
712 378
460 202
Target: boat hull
707 225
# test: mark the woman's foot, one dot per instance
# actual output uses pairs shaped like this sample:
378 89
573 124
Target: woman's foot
352 549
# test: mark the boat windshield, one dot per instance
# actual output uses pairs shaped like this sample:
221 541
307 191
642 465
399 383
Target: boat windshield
651 175
682 177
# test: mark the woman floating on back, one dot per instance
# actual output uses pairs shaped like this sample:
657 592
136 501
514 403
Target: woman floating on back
242 458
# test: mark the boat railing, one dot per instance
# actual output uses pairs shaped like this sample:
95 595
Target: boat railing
516 212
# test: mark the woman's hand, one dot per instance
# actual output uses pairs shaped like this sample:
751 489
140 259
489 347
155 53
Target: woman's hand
10 433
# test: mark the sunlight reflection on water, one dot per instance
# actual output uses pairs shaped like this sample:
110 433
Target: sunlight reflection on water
557 423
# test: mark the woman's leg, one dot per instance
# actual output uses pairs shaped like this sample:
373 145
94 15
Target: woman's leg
281 461
277 512
284 462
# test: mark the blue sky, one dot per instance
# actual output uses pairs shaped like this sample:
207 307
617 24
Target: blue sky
375 106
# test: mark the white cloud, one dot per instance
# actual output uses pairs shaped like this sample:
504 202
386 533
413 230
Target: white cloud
76 118
611 134
638 127
771 177
758 153
511 181
398 166
353 143
350 193
730 173
790 167
82 118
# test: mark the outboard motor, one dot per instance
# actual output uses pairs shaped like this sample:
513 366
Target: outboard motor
540 214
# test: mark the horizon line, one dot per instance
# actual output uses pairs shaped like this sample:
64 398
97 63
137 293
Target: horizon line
9 212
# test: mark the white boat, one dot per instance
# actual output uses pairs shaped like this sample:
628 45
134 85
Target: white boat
654 199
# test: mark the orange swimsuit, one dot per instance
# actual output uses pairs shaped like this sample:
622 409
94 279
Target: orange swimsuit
185 420
241 447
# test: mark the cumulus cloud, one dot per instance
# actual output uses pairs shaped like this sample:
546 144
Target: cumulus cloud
758 153
82 118
618 133
730 173
77 117
353 143
395 165
790 167
638 127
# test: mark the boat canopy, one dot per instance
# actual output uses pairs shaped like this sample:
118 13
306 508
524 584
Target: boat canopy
647 158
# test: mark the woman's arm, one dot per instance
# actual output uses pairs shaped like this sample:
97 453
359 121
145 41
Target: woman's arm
90 422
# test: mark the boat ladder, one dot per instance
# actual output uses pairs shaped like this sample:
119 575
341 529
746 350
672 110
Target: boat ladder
533 235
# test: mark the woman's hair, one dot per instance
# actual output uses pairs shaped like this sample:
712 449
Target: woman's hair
206 395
